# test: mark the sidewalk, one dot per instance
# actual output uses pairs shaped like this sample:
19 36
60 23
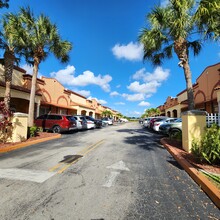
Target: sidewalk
13 146
208 187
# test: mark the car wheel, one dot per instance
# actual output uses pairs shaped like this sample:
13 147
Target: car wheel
173 132
56 129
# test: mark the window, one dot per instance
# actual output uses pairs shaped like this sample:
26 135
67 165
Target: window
70 118
54 117
42 117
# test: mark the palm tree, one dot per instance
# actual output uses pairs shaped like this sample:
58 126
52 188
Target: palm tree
42 38
12 42
107 113
171 30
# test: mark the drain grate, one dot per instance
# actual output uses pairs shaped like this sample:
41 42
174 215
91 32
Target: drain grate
70 158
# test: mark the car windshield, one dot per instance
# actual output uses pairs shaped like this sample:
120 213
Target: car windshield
178 120
70 118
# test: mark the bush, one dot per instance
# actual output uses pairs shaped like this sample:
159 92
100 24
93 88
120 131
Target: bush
32 131
208 148
5 123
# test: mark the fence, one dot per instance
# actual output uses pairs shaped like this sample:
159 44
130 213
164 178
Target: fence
212 118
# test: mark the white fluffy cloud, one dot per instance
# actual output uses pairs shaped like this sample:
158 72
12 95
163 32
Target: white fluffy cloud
145 88
67 77
103 102
131 51
143 103
114 93
133 97
158 75
151 81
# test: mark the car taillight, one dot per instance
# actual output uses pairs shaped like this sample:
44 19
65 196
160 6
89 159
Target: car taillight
156 124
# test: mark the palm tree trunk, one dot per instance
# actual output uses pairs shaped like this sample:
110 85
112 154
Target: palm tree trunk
32 95
181 49
189 86
9 65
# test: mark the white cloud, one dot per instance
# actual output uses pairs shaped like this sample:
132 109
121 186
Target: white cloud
131 51
145 88
143 103
118 86
151 81
103 102
158 75
133 97
114 93
66 77
119 103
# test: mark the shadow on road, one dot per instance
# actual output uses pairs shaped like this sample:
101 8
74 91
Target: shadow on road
142 138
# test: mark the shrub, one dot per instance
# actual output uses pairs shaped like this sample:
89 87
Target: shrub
5 123
208 148
32 131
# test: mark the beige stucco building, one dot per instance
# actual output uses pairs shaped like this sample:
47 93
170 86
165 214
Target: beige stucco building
205 94
51 96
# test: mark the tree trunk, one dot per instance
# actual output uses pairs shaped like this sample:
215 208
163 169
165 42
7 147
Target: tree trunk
32 95
9 66
181 49
189 86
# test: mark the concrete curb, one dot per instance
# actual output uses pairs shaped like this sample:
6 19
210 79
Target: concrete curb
208 187
26 144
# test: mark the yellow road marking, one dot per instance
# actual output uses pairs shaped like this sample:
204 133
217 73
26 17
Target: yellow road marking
82 152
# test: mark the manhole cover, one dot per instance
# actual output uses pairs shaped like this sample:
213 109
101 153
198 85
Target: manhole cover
70 158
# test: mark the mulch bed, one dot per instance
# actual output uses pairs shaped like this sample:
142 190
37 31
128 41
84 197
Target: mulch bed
191 159
40 135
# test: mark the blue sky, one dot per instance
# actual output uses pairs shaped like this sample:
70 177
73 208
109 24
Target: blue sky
106 60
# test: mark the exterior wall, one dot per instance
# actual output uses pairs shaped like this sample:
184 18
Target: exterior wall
17 77
182 97
53 92
204 91
172 107
78 98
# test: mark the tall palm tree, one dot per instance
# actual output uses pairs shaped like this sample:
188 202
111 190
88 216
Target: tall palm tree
177 28
42 38
11 41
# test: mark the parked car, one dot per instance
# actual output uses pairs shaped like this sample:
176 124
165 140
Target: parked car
153 120
97 122
146 122
56 123
122 120
172 127
162 121
87 123
108 121
81 121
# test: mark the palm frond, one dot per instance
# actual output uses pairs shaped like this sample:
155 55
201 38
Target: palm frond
196 47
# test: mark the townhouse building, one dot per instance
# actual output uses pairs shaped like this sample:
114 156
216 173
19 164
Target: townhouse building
205 94
51 96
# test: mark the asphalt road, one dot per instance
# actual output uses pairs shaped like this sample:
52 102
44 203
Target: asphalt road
117 172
